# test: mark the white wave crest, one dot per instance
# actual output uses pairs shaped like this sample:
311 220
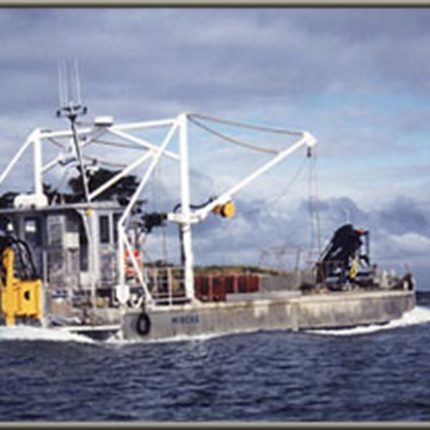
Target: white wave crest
30 333
179 338
418 315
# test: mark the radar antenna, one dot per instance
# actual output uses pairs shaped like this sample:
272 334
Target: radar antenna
71 107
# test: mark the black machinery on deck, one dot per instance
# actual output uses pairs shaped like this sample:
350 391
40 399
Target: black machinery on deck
346 259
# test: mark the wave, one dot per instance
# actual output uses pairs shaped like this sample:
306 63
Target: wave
418 315
30 333
180 338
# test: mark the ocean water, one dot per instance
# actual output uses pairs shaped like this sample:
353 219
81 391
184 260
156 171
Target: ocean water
364 374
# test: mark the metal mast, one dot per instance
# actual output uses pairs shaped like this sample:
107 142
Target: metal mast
70 108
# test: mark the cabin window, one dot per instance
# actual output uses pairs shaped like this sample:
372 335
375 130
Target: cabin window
104 232
116 218
33 233
83 247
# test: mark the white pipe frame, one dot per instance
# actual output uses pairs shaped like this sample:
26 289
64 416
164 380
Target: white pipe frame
120 175
188 217
141 142
200 214
37 136
185 209
51 164
122 222
37 156
185 219
33 139
132 126
155 151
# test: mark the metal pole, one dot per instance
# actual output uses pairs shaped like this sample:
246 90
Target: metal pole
37 154
120 175
185 207
78 154
122 221
18 155
307 139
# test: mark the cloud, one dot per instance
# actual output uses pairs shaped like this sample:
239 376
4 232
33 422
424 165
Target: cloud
403 216
254 232
355 78
410 245
219 57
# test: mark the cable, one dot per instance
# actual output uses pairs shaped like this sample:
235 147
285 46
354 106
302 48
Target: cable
314 205
317 201
243 125
26 268
56 143
231 139
116 144
285 190
161 194
202 205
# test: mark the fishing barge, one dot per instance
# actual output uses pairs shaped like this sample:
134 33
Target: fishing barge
78 264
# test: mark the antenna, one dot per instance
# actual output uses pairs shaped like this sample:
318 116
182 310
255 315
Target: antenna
77 82
346 211
61 96
71 107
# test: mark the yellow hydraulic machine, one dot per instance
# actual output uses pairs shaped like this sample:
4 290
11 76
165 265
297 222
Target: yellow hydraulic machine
20 295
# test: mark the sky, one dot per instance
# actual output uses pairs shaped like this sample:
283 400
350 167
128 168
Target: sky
356 78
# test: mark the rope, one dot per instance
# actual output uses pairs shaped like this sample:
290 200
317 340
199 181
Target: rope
119 145
161 194
314 204
285 190
243 125
231 139
317 200
310 208
56 143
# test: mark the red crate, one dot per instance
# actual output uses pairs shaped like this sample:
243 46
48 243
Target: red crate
215 287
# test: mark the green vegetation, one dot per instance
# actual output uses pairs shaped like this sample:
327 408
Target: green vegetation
121 191
234 269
